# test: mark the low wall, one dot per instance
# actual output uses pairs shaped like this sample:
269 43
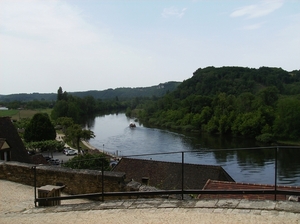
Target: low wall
76 181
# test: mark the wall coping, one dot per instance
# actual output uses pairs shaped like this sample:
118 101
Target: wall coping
64 169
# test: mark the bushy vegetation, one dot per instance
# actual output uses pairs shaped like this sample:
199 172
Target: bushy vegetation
48 145
73 132
88 161
259 103
39 129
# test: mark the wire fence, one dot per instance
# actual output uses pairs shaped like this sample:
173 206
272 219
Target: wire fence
182 190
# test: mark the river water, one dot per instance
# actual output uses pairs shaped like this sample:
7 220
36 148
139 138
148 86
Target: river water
114 135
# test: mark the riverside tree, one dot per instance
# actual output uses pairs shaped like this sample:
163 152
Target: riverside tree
39 129
75 133
88 161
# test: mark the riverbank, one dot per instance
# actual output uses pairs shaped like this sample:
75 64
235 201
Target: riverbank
90 147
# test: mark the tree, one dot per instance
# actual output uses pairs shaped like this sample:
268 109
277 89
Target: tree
287 120
88 161
40 128
248 124
65 122
48 145
59 94
75 133
268 96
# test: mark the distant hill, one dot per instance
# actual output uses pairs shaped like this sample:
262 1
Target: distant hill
125 93
261 103
210 81
24 97
121 93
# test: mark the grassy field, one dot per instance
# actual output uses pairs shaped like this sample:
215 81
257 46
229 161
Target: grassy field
19 114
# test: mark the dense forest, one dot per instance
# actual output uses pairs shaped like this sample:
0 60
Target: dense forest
259 103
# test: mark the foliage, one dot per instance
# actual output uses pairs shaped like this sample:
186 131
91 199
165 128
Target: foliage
123 93
40 128
88 161
65 123
287 118
22 123
255 103
75 133
258 103
28 105
49 145
266 138
74 107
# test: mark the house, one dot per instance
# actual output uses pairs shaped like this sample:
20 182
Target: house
167 175
4 150
225 185
11 145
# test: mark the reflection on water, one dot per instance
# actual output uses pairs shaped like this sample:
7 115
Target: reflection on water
251 166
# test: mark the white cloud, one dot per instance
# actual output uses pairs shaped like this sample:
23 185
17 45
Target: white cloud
45 21
45 44
48 43
173 12
258 10
253 26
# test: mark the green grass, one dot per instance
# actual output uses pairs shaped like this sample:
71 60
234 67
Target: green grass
19 114
8 113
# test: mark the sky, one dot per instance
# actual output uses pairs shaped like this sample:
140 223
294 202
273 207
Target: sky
83 45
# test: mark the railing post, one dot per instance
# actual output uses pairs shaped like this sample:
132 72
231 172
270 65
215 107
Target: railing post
276 157
34 183
182 174
102 173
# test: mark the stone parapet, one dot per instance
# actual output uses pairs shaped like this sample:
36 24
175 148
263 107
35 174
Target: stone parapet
75 181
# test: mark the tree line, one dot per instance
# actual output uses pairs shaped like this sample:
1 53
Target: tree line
77 108
122 93
259 103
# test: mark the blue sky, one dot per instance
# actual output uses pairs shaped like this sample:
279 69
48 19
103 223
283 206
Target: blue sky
85 45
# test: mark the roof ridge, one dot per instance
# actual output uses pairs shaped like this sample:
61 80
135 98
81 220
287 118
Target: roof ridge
148 160
255 184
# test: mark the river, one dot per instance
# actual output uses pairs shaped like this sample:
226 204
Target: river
114 135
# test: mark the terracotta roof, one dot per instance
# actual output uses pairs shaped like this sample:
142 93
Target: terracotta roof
167 175
225 185
11 136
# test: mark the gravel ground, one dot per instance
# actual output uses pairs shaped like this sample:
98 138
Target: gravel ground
17 206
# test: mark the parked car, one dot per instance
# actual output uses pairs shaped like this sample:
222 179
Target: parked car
65 150
72 152
54 161
47 158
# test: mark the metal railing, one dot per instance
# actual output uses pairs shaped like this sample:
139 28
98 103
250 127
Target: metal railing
181 191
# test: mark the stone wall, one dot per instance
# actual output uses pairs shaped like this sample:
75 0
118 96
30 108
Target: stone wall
76 181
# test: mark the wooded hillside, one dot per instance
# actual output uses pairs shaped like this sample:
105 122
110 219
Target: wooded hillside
263 103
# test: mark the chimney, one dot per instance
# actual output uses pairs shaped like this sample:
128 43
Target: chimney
145 180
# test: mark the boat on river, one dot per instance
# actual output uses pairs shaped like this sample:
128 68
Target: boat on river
132 125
